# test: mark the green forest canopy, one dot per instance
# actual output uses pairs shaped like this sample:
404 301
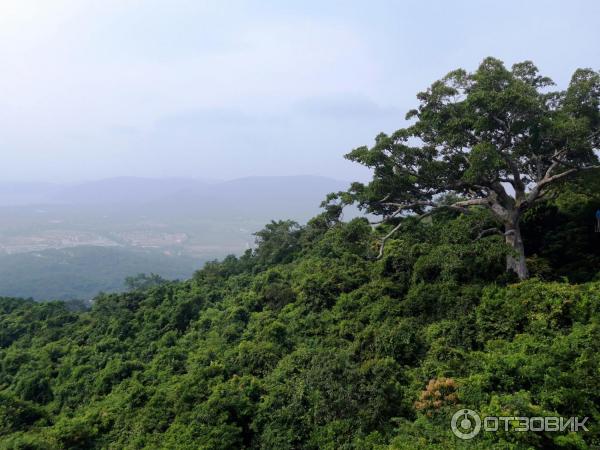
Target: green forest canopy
311 341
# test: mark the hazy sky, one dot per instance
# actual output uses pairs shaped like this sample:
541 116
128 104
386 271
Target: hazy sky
222 89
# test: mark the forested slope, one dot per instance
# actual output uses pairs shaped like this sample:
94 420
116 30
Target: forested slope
310 342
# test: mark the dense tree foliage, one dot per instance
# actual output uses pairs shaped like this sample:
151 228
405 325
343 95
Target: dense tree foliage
310 342
495 138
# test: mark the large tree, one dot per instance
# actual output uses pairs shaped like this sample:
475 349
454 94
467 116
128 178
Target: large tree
494 138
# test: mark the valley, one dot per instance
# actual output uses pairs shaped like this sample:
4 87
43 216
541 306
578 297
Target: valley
169 227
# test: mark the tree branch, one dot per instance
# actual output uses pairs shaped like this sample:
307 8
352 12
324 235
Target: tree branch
488 232
516 182
385 238
461 206
473 202
556 161
536 193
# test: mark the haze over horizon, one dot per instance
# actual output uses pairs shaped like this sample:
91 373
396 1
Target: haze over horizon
74 240
200 89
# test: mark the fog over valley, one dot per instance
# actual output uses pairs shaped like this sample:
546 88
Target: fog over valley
167 226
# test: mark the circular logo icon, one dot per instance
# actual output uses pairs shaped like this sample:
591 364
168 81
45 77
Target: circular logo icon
466 424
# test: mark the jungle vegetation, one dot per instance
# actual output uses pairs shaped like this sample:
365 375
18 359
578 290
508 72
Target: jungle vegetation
323 338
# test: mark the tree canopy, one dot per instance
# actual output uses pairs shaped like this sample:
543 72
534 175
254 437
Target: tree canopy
494 138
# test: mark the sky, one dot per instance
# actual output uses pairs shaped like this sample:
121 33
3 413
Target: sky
223 89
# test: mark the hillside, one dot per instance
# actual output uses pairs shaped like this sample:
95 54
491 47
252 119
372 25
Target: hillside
310 342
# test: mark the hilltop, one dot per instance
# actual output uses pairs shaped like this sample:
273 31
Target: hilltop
308 341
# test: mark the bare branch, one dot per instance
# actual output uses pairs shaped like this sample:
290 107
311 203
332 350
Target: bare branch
495 230
473 202
405 206
385 198
488 232
537 192
387 217
556 161
553 178
385 238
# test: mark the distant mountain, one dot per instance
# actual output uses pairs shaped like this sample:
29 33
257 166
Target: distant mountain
263 198
124 190
260 197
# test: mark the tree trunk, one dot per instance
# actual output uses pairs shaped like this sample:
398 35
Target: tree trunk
515 261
